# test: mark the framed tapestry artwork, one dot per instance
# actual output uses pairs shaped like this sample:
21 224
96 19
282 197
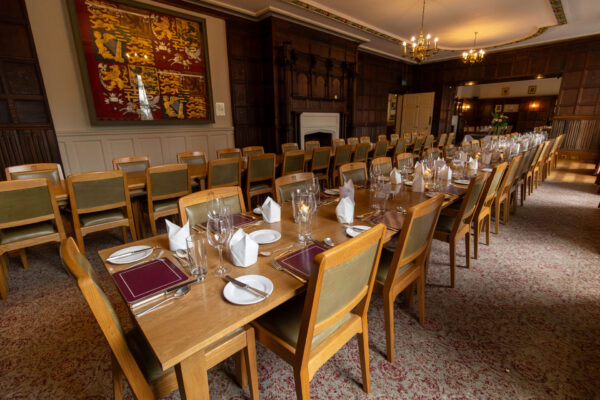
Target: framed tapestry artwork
141 64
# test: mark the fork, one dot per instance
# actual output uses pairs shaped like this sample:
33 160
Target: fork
279 267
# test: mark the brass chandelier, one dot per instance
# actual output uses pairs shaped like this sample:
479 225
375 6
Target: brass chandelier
421 47
473 56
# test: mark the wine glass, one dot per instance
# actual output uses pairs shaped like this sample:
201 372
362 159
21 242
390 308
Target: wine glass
216 206
219 229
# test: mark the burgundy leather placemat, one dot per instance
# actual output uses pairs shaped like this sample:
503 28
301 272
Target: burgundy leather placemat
148 278
237 219
391 219
301 262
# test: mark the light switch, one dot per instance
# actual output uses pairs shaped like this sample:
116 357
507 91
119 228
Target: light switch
220 109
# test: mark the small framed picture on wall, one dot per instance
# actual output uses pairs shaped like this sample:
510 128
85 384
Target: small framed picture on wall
498 108
505 91
531 89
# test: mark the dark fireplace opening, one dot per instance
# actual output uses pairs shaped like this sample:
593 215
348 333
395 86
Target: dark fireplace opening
324 138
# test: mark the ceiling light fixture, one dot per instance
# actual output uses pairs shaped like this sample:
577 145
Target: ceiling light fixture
473 56
421 47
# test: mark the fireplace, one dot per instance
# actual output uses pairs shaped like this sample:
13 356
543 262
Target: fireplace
323 127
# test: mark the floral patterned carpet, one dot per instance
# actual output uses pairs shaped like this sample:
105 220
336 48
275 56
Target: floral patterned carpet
523 322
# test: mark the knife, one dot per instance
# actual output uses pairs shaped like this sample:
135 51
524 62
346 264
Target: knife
130 253
249 288
165 293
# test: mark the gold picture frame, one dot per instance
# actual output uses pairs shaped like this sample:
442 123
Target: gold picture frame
505 91
531 89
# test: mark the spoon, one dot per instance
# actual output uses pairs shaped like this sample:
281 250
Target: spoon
329 242
181 253
182 291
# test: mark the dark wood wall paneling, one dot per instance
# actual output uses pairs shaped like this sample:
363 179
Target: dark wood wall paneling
377 77
26 131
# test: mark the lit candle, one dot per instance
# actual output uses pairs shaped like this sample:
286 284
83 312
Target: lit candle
435 43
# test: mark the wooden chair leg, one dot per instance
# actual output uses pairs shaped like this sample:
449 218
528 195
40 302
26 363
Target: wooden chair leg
476 229
363 349
497 216
506 210
3 277
241 369
468 248
421 295
250 358
452 263
302 383
488 222
152 224
388 314
117 375
124 231
23 255
80 243
409 293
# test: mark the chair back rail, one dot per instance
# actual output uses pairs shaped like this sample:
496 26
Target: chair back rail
131 163
52 171
285 185
193 208
224 172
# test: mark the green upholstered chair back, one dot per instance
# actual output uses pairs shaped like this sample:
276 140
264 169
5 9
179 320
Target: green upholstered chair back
233 154
19 204
320 158
169 182
496 179
510 173
365 139
358 176
384 164
405 161
51 174
361 152
136 166
193 160
289 147
400 146
435 151
224 174
428 141
450 151
285 191
419 232
475 147
343 154
198 213
419 142
251 153
466 147
311 145
467 210
394 139
380 149
442 141
293 161
352 140
98 193
261 167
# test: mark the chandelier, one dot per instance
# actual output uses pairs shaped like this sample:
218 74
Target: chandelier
421 47
473 56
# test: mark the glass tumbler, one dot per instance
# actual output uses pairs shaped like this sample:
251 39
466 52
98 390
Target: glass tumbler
196 252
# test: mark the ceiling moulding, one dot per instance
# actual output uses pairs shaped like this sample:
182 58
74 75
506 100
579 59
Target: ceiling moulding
559 11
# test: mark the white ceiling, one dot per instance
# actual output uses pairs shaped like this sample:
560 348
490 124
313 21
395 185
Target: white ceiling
501 24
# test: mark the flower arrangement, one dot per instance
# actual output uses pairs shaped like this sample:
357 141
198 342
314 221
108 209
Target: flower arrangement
499 121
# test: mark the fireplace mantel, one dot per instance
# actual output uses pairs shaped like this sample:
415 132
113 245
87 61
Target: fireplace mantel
311 122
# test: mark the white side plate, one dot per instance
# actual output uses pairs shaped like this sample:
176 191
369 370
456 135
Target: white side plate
355 232
265 236
237 295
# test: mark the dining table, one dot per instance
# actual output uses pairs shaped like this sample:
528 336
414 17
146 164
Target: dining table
180 331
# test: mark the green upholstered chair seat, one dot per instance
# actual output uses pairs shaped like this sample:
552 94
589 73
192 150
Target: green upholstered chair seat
384 266
143 354
284 322
10 235
101 217
162 205
445 223
259 186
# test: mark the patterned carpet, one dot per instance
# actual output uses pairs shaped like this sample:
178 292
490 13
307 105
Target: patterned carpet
523 322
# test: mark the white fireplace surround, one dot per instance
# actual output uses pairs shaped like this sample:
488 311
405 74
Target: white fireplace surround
319 122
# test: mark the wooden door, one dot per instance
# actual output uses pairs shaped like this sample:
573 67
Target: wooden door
417 112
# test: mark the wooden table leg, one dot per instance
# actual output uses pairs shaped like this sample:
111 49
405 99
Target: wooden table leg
192 377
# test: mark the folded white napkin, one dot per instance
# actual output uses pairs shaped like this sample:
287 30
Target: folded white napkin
446 173
243 250
462 156
418 181
395 176
345 211
472 164
486 157
271 211
177 235
419 168
347 191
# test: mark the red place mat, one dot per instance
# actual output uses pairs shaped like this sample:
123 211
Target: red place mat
148 278
301 262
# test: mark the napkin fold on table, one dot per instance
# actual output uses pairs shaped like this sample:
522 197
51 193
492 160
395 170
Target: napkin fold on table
243 250
472 164
177 235
486 157
419 180
347 190
419 168
395 176
271 211
345 211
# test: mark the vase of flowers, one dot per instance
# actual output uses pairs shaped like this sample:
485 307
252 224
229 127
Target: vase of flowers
499 121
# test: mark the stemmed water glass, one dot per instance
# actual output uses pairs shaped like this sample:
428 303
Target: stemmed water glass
219 228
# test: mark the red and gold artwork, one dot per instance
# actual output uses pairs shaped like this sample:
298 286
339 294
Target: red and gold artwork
142 64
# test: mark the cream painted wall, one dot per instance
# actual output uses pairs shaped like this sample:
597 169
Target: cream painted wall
545 87
85 147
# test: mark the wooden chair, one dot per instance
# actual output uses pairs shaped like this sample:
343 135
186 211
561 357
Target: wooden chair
503 195
365 139
521 176
343 155
355 171
261 176
52 171
380 149
311 145
560 140
285 147
293 162
352 140
399 148
131 163
224 172
28 216
530 174
407 138
428 142
449 151
230 152
418 146
442 141
194 158
321 158
405 266
164 185
285 185
453 224
100 201
249 151
194 207
384 164
335 143
547 161
310 328
432 150
451 136
382 137
482 219
475 146
361 152
405 160
132 357
466 147
394 138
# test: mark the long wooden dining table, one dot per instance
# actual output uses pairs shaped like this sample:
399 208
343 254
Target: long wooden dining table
180 331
